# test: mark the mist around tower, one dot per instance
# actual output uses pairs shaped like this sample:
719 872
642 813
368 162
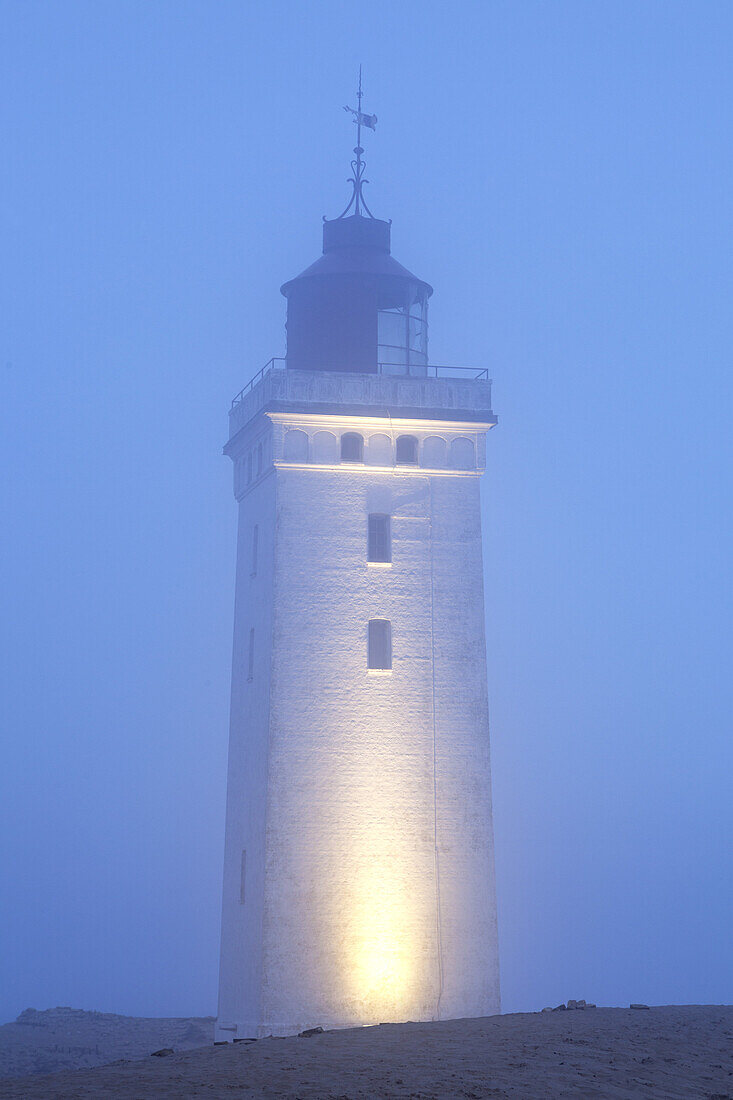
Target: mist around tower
387 753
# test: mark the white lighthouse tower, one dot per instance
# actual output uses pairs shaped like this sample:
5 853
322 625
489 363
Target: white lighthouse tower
359 871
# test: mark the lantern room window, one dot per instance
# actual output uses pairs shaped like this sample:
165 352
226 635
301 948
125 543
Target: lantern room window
402 338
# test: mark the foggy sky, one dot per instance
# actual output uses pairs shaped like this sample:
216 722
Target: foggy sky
561 174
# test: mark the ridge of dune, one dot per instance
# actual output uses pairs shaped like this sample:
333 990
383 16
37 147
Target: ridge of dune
666 1053
65 1038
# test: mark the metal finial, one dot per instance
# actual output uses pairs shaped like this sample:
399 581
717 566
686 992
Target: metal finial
358 166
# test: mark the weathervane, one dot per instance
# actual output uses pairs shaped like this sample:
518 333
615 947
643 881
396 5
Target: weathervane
358 166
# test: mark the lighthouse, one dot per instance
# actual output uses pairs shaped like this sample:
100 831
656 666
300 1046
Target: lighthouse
358 871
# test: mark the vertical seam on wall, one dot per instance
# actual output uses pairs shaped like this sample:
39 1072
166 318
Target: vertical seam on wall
438 914
392 440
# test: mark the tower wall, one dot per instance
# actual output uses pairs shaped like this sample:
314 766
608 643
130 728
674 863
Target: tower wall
362 797
240 976
463 771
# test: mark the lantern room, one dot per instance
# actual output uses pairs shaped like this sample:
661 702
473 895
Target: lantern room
356 308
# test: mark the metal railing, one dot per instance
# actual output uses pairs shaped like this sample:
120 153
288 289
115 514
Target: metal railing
388 370
432 370
269 365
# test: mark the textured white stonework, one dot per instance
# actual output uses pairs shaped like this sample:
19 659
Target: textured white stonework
362 798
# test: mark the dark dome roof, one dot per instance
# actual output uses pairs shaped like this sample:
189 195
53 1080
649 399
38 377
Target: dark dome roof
358 246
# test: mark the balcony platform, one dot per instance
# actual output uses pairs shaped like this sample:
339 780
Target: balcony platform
455 394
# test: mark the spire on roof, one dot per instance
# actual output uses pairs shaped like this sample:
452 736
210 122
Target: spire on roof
358 166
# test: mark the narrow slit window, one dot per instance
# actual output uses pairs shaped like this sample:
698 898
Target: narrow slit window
379 647
379 543
249 468
255 539
251 657
243 876
259 459
352 447
406 450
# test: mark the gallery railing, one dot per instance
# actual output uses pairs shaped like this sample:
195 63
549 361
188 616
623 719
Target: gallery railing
392 370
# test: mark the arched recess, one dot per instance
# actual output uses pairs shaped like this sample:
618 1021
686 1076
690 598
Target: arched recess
352 447
295 447
239 468
406 450
435 452
325 447
462 453
379 450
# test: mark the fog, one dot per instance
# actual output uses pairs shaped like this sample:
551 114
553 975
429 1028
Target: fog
561 174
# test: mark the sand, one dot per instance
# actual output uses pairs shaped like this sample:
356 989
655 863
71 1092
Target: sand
662 1053
70 1038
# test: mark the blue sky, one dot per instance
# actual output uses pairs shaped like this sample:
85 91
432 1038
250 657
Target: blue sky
561 173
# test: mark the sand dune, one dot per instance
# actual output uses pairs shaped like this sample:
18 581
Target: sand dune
70 1038
661 1054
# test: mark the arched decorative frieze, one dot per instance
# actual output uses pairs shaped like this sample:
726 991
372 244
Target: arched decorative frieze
406 450
434 452
238 475
352 447
325 447
462 453
379 450
295 446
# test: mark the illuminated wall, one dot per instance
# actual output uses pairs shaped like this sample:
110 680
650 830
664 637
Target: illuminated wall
362 798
